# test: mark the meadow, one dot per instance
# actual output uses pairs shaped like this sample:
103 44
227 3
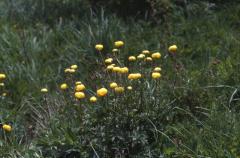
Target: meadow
92 83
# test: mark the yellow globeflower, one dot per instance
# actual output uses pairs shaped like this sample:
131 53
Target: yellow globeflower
131 58
93 99
99 47
79 87
44 90
148 59
2 84
172 49
119 89
113 85
156 75
118 44
134 76
72 70
4 94
64 86
79 95
7 128
109 60
74 67
116 69
141 56
2 76
124 70
129 87
115 50
67 70
145 52
102 92
156 55
157 69
78 83
110 67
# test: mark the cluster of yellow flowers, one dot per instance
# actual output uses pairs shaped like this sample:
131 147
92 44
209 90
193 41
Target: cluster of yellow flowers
2 84
79 88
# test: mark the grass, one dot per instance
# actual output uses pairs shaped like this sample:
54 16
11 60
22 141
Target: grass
190 112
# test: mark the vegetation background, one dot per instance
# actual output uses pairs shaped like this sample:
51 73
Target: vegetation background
196 110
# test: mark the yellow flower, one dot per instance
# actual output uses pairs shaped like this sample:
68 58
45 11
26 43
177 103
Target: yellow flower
74 67
113 64
118 44
72 70
131 58
134 76
145 52
44 90
99 47
78 83
156 55
4 94
115 50
102 92
110 67
79 95
2 84
109 60
116 69
172 49
156 75
148 59
7 128
113 85
64 86
79 87
124 70
141 56
67 70
2 76
119 89
157 69
129 87
93 99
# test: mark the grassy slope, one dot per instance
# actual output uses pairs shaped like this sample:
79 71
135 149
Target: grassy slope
206 96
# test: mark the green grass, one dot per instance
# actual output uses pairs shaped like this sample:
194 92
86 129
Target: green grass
193 112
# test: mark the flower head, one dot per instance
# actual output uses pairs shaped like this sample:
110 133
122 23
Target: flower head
78 82
2 76
110 67
119 89
145 52
124 70
93 99
115 50
116 69
148 59
156 55
2 84
74 67
113 85
156 75
157 69
63 86
131 58
109 60
102 92
134 76
141 56
7 128
129 87
172 49
79 95
44 90
118 44
79 87
99 47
